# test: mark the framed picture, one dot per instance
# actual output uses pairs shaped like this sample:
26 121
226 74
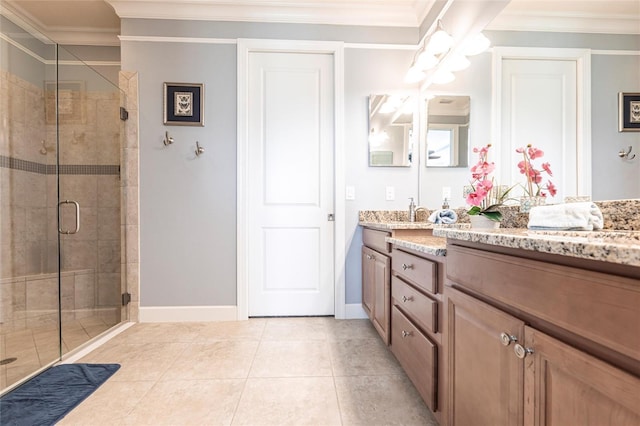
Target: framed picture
71 102
629 112
183 104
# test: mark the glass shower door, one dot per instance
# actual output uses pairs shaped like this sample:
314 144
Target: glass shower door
29 313
89 134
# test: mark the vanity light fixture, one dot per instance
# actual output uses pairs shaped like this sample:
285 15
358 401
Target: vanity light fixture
414 75
475 45
426 60
457 62
440 41
429 55
443 76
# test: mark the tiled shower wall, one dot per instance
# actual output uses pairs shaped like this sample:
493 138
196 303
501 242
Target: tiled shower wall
89 174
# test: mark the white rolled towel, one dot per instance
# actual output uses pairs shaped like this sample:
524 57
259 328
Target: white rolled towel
584 216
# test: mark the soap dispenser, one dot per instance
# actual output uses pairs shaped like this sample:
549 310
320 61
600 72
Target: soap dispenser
412 210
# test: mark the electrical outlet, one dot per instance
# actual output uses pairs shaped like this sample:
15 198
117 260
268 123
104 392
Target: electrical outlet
390 193
350 193
446 192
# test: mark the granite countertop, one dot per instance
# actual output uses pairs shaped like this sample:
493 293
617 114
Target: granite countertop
390 226
621 247
428 244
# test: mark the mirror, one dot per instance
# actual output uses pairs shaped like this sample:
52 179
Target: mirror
448 131
391 130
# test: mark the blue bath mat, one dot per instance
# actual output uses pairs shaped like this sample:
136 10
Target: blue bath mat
49 396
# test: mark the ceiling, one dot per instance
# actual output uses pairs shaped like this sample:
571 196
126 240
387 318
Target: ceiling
96 21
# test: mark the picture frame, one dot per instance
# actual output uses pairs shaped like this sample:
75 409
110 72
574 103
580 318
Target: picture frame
629 112
183 104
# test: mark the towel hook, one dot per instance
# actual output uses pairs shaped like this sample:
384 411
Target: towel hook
627 155
199 149
168 140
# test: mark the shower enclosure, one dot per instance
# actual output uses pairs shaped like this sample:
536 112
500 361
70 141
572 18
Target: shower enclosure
60 195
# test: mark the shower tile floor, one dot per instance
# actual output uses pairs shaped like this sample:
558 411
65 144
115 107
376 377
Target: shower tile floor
275 371
37 346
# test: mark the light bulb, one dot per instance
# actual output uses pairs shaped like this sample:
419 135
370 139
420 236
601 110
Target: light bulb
476 44
440 41
458 62
414 75
443 77
426 60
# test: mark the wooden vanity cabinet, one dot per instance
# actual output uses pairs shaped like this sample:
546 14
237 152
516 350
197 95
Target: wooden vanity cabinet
533 342
376 275
416 322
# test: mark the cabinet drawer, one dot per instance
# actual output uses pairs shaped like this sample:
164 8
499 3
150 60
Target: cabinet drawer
417 355
421 272
422 310
376 240
600 307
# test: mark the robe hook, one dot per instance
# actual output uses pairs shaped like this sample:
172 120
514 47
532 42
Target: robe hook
626 154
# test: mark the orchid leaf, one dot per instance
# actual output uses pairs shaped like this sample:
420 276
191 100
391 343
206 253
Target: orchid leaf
474 211
494 216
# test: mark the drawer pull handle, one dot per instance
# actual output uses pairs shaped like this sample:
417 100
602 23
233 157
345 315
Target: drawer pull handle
407 333
370 257
521 351
506 339
405 266
407 299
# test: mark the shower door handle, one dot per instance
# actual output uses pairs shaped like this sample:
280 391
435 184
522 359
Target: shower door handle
75 203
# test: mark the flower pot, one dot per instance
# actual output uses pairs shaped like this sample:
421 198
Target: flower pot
483 222
527 202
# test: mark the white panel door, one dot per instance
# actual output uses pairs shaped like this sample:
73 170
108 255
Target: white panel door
539 107
290 187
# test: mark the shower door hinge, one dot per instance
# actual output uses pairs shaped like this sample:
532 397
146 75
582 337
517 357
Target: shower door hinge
126 298
124 114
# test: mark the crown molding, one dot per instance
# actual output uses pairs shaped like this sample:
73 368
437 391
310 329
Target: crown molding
566 23
61 35
398 13
85 36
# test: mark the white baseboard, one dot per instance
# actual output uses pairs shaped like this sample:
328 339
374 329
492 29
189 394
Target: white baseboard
188 313
354 311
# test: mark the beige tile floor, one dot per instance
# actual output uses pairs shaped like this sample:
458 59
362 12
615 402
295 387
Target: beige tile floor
276 371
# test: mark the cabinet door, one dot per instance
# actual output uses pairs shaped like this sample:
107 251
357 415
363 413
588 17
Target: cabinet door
485 375
367 280
565 386
382 295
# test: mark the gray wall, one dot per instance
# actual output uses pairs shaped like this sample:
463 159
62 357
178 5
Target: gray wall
613 178
188 205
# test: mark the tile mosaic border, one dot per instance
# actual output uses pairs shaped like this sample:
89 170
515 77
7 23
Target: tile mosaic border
63 169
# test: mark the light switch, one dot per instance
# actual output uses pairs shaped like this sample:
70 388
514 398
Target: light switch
350 193
390 193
